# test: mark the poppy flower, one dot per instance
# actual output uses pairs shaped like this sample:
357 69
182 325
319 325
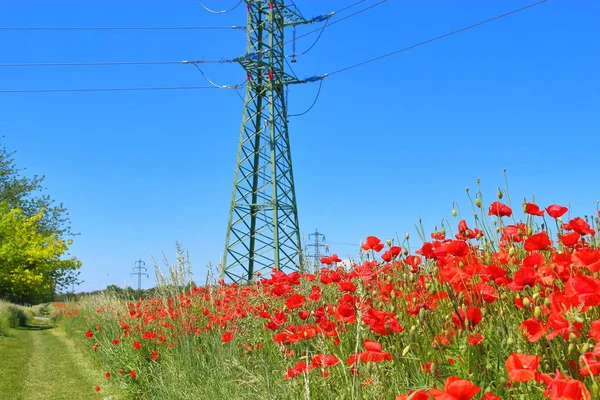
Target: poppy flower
537 241
107 375
373 353
295 301
97 389
499 209
567 389
89 334
132 374
137 345
414 395
490 396
556 211
522 367
457 248
533 209
455 388
372 243
227 337
580 226
532 329
569 239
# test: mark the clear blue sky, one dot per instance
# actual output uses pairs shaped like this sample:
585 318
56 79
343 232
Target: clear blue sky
386 144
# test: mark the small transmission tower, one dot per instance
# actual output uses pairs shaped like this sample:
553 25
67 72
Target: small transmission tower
140 270
263 229
319 242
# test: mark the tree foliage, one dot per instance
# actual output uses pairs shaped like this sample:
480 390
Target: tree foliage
32 238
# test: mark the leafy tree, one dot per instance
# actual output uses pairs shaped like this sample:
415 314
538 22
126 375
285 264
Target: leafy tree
32 238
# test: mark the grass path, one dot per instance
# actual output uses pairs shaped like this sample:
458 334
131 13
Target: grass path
43 364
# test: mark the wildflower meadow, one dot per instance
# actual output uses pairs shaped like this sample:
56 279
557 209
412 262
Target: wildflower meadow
494 308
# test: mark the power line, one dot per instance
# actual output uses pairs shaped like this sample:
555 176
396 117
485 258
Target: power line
341 19
117 28
438 37
313 103
219 12
105 89
114 63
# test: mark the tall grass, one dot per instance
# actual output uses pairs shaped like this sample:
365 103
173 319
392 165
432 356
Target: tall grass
12 316
396 322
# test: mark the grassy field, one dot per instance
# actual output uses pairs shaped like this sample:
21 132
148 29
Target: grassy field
502 309
38 361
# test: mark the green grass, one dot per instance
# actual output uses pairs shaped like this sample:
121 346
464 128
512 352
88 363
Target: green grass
39 362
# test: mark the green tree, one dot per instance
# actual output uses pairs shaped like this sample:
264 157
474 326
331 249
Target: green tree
32 238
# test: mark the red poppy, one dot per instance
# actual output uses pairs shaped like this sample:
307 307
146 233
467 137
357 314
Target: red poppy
227 337
533 209
137 345
532 329
455 388
89 334
537 241
457 248
490 396
522 367
580 226
97 389
499 209
295 301
373 353
321 360
372 243
567 389
414 395
116 341
556 211
569 239
132 374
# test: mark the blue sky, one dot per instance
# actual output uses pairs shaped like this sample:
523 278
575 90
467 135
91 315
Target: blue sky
386 143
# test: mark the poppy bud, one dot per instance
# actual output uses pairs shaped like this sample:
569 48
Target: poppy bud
422 314
478 202
405 252
537 311
529 231
584 347
405 351
499 194
407 236
510 341
572 336
388 241
511 251
498 230
571 347
595 389
467 189
453 212
526 302
443 230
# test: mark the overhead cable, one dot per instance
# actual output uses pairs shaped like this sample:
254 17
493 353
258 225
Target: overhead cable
339 20
117 28
219 12
438 37
114 63
104 89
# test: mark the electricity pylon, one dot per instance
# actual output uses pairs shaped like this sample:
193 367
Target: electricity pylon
318 244
263 229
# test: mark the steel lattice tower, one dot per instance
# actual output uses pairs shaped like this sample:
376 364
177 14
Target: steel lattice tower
263 229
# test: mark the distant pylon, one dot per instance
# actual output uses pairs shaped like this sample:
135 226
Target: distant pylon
319 242
263 230
141 270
